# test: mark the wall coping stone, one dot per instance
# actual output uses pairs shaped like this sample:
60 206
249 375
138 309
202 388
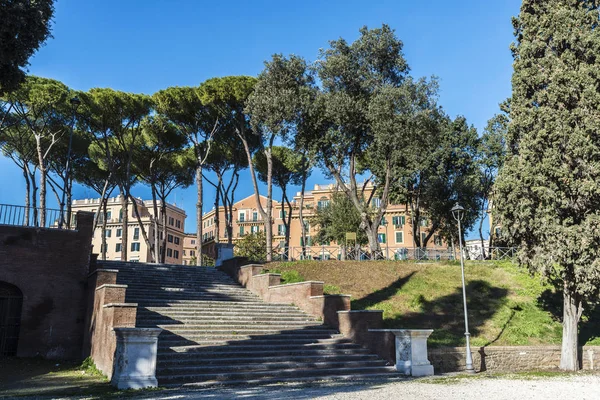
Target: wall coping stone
114 271
120 305
267 274
251 266
111 285
406 332
360 311
330 295
296 283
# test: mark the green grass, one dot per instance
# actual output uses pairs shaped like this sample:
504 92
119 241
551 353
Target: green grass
506 305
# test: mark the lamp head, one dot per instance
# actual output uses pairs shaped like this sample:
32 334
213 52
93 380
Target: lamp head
458 211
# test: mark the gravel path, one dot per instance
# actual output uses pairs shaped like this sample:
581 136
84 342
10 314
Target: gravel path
585 387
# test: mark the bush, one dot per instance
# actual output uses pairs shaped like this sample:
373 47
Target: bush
253 247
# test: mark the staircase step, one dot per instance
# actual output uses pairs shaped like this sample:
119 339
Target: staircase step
260 358
281 373
247 348
238 340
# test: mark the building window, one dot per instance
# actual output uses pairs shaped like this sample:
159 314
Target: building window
176 254
120 215
192 253
183 253
399 237
107 233
423 221
423 236
282 214
437 240
399 221
254 229
171 221
176 239
136 233
308 241
324 202
376 202
108 215
119 232
193 241
170 238
135 246
178 224
255 216
169 252
381 237
242 230
118 248
242 216
281 230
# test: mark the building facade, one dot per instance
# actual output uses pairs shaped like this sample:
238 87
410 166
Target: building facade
189 249
138 249
395 233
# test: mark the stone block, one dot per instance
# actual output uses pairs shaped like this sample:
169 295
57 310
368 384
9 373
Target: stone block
135 358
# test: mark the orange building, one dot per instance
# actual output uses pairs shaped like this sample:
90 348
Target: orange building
395 233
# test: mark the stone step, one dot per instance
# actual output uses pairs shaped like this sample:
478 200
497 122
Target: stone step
182 285
247 348
234 325
204 359
143 297
238 340
219 319
188 331
388 376
274 374
197 306
264 366
167 338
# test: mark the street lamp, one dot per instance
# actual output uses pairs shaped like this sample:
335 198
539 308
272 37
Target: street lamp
75 102
458 212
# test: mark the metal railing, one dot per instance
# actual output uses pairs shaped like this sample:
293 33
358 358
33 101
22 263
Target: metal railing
324 253
33 217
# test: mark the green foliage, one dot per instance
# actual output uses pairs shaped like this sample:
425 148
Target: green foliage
89 368
337 219
24 27
252 246
286 168
547 196
291 277
331 289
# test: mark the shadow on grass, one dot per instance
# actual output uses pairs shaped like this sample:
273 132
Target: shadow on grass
382 294
445 314
589 326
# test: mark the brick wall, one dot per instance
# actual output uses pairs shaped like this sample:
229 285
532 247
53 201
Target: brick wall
509 358
50 267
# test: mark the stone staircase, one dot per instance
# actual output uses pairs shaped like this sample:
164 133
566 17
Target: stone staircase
216 331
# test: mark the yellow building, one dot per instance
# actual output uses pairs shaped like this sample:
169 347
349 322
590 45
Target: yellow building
395 233
138 250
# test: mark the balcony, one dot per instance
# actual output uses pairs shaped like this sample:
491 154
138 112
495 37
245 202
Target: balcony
250 221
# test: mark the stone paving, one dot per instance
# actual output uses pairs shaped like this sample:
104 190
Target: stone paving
578 387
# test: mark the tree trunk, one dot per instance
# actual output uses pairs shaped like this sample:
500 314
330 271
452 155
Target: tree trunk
156 226
124 225
373 242
138 217
104 222
269 211
33 196
483 257
301 209
569 360
217 217
42 168
27 194
199 257
163 219
69 202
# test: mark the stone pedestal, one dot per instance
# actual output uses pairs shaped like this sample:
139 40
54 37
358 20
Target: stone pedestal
411 351
224 252
135 358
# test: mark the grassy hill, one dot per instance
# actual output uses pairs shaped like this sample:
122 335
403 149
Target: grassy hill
506 305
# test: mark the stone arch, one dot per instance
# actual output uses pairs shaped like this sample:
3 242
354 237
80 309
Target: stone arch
11 304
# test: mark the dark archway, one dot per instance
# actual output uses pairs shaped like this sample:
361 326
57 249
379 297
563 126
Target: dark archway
11 302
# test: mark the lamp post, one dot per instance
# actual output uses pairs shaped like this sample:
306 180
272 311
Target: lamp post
75 102
458 213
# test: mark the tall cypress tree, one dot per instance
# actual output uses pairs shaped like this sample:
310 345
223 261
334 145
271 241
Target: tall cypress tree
548 192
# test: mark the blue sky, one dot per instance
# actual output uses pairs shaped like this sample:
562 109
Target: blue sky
146 45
